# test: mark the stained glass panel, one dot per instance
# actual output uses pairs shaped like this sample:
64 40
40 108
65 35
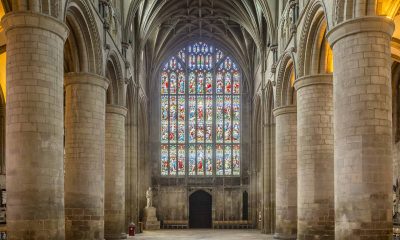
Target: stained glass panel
200 113
220 83
192 160
164 160
192 83
173 83
236 83
181 160
209 162
219 160
164 132
236 160
227 119
181 83
209 84
228 83
172 132
228 160
200 83
200 159
172 158
220 119
164 83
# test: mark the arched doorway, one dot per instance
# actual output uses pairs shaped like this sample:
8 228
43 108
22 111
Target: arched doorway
200 205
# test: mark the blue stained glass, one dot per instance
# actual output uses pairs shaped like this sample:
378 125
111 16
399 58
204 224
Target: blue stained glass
192 83
172 160
228 160
219 160
192 160
208 160
173 83
200 83
164 132
220 83
182 55
164 160
164 83
181 83
200 113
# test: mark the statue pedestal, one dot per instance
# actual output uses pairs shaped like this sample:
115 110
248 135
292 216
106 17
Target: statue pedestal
150 219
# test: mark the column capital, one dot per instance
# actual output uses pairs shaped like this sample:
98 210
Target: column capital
318 79
360 25
86 78
25 19
285 110
116 109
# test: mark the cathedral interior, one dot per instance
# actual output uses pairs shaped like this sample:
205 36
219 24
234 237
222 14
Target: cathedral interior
258 119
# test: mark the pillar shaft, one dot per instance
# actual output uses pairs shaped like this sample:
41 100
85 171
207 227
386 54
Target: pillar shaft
114 219
315 173
34 126
363 128
286 173
84 155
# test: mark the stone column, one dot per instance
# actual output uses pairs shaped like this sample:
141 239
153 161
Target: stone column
363 128
315 193
34 126
84 155
114 219
286 173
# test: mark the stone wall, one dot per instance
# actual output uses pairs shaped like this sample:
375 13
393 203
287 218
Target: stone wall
172 203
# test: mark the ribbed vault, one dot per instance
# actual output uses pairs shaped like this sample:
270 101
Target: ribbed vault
162 27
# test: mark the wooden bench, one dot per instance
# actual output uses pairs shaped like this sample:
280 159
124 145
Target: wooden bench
232 224
175 224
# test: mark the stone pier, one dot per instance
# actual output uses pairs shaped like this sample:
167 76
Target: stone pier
84 155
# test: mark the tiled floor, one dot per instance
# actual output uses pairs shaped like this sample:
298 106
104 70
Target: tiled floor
202 234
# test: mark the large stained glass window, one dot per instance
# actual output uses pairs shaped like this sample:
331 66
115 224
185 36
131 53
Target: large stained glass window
200 113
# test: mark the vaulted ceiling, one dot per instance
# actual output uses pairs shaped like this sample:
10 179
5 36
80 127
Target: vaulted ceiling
243 28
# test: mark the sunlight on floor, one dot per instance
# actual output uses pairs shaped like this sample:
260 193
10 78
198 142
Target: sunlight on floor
202 234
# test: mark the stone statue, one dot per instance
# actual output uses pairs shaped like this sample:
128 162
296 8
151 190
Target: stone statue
149 196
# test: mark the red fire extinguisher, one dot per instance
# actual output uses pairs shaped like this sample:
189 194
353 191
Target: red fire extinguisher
131 229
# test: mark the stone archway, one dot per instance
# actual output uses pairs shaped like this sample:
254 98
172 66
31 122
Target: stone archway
200 210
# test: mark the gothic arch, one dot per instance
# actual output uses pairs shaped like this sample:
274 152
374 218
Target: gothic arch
83 46
285 93
114 74
311 40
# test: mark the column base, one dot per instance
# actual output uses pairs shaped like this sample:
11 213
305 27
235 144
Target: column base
285 237
116 236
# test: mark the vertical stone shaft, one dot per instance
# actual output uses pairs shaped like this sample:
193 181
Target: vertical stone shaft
84 155
286 173
315 194
114 219
363 128
34 130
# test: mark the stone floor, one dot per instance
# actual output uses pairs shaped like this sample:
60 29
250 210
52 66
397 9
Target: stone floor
202 234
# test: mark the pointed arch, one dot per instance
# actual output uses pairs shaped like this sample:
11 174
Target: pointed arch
114 73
